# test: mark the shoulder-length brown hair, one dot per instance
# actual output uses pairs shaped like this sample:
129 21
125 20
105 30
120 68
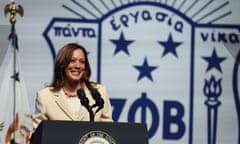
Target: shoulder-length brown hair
62 60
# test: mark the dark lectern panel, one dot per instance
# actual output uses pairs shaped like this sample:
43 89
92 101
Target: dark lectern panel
71 132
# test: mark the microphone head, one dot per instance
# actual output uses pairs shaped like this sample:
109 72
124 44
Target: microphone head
82 97
80 93
97 96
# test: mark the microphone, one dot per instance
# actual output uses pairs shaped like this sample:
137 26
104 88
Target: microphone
85 102
99 101
83 99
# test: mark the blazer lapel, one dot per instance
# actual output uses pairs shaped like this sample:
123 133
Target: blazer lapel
61 101
82 113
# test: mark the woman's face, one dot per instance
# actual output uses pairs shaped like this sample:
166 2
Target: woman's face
75 69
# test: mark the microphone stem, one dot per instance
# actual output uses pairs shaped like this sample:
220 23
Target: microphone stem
91 114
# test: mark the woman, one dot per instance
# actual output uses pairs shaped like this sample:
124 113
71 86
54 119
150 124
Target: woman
60 100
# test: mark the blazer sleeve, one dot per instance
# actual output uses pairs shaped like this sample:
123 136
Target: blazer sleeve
39 109
106 112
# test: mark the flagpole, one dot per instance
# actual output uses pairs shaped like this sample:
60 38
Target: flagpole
13 9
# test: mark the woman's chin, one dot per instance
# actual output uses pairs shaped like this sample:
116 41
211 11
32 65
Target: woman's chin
74 79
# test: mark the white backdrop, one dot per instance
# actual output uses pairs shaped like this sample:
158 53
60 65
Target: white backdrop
178 44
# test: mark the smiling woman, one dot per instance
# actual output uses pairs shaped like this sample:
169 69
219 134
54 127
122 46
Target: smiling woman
72 68
60 100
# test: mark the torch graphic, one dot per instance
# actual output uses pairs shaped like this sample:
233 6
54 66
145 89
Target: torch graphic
212 90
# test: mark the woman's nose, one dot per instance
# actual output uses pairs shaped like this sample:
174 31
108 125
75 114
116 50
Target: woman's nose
77 64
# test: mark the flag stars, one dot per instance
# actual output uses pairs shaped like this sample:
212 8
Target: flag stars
145 70
16 76
214 61
170 46
121 44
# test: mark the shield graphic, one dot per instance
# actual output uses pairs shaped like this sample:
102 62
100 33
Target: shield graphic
161 68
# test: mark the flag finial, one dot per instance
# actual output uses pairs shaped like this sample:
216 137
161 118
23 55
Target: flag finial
13 9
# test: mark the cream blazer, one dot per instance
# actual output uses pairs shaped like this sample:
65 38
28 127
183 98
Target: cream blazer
54 106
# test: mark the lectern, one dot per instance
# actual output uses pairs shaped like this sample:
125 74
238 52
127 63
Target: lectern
78 132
